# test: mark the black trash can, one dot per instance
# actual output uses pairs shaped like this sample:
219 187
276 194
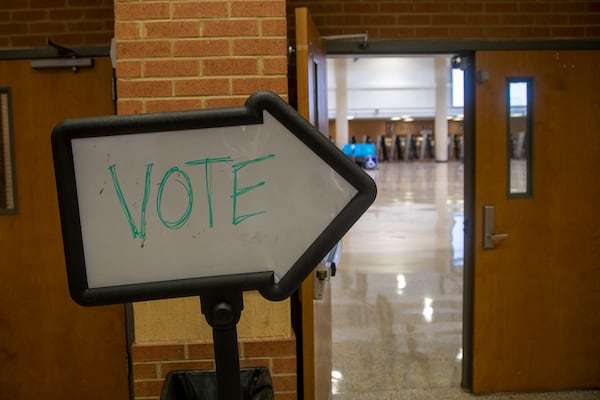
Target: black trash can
202 385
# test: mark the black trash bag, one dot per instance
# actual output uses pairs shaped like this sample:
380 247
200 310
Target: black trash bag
202 385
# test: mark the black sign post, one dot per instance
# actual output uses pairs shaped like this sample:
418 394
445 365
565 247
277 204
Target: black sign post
208 202
222 310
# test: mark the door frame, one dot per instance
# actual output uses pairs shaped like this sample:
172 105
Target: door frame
465 49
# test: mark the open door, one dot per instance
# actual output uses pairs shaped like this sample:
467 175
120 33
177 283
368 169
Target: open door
50 347
536 274
315 305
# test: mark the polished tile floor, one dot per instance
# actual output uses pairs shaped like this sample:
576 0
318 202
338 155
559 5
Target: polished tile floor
397 296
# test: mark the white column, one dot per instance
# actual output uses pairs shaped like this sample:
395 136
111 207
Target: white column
442 68
341 103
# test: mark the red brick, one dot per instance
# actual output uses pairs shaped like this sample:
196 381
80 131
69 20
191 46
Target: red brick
284 365
591 32
173 104
453 19
286 395
343 20
273 27
374 20
501 32
484 20
570 6
567 32
475 7
127 30
200 10
129 69
533 7
219 102
30 15
125 107
200 351
501 7
535 32
145 371
141 11
101 38
405 20
275 66
258 9
143 49
200 48
431 32
549 19
230 28
585 19
255 363
29 41
259 46
465 32
396 8
100 13
174 68
172 29
12 5
273 348
147 388
144 89
230 66
155 352
201 87
431 7
165 368
360 8
251 85
284 383
47 27
85 26
396 32
517 19
13 29
47 3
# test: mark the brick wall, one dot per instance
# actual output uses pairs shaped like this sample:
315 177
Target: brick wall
181 55
152 362
72 23
455 19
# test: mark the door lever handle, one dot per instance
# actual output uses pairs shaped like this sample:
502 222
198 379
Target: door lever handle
489 228
497 236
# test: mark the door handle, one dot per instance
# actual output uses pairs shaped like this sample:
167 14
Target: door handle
489 228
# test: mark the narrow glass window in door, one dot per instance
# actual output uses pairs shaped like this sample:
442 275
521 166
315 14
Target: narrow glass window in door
519 137
7 171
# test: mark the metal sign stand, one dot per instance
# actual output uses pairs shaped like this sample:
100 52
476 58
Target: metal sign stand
222 309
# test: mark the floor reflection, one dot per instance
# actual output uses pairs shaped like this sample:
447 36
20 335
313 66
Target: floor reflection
397 296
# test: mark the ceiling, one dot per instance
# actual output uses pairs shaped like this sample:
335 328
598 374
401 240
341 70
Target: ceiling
391 87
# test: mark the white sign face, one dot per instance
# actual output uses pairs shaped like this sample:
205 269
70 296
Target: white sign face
197 203
175 204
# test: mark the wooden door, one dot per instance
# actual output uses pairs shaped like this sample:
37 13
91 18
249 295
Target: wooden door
50 347
311 75
536 294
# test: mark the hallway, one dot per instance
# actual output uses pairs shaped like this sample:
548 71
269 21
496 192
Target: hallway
397 295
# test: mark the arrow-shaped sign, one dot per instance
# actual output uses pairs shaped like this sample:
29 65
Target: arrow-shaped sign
169 204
